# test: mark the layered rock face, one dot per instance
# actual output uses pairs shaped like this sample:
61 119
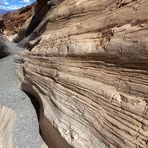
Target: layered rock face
7 118
89 73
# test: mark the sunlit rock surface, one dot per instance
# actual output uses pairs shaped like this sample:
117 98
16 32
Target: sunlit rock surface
14 20
89 72
7 119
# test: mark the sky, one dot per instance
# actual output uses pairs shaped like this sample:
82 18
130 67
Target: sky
14 4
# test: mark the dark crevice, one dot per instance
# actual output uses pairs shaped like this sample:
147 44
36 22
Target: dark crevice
37 18
41 9
123 3
36 106
50 134
3 54
3 49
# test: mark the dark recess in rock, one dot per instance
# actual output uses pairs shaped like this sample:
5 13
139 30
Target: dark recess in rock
35 103
3 48
41 9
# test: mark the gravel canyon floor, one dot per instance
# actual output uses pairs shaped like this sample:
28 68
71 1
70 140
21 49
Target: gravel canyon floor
26 131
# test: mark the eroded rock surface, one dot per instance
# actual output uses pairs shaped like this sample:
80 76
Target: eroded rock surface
7 120
89 72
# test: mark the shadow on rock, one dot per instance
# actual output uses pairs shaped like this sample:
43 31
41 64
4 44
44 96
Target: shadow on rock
3 48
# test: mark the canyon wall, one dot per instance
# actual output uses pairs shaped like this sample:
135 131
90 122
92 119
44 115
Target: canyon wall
89 73
13 21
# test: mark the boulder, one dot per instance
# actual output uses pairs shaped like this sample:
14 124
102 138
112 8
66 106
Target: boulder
3 47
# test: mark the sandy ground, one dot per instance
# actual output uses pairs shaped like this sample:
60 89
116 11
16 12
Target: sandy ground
26 131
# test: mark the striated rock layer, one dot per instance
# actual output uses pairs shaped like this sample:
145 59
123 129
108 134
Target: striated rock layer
90 74
7 119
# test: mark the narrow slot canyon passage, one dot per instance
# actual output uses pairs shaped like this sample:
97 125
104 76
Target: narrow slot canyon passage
26 132
50 135
26 128
35 104
37 107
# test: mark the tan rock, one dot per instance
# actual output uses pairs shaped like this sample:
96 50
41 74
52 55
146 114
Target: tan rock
7 119
90 74
44 146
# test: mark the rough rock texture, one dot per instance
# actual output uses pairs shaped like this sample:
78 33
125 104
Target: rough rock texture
14 20
21 33
41 9
89 72
19 24
7 119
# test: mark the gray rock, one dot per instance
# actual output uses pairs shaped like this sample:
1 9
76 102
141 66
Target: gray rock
26 131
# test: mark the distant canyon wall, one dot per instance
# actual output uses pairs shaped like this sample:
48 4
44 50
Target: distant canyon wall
13 21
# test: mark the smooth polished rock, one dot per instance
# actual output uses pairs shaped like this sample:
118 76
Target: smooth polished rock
7 120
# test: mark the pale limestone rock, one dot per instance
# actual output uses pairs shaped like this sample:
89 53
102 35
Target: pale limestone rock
12 37
90 74
7 119
44 146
